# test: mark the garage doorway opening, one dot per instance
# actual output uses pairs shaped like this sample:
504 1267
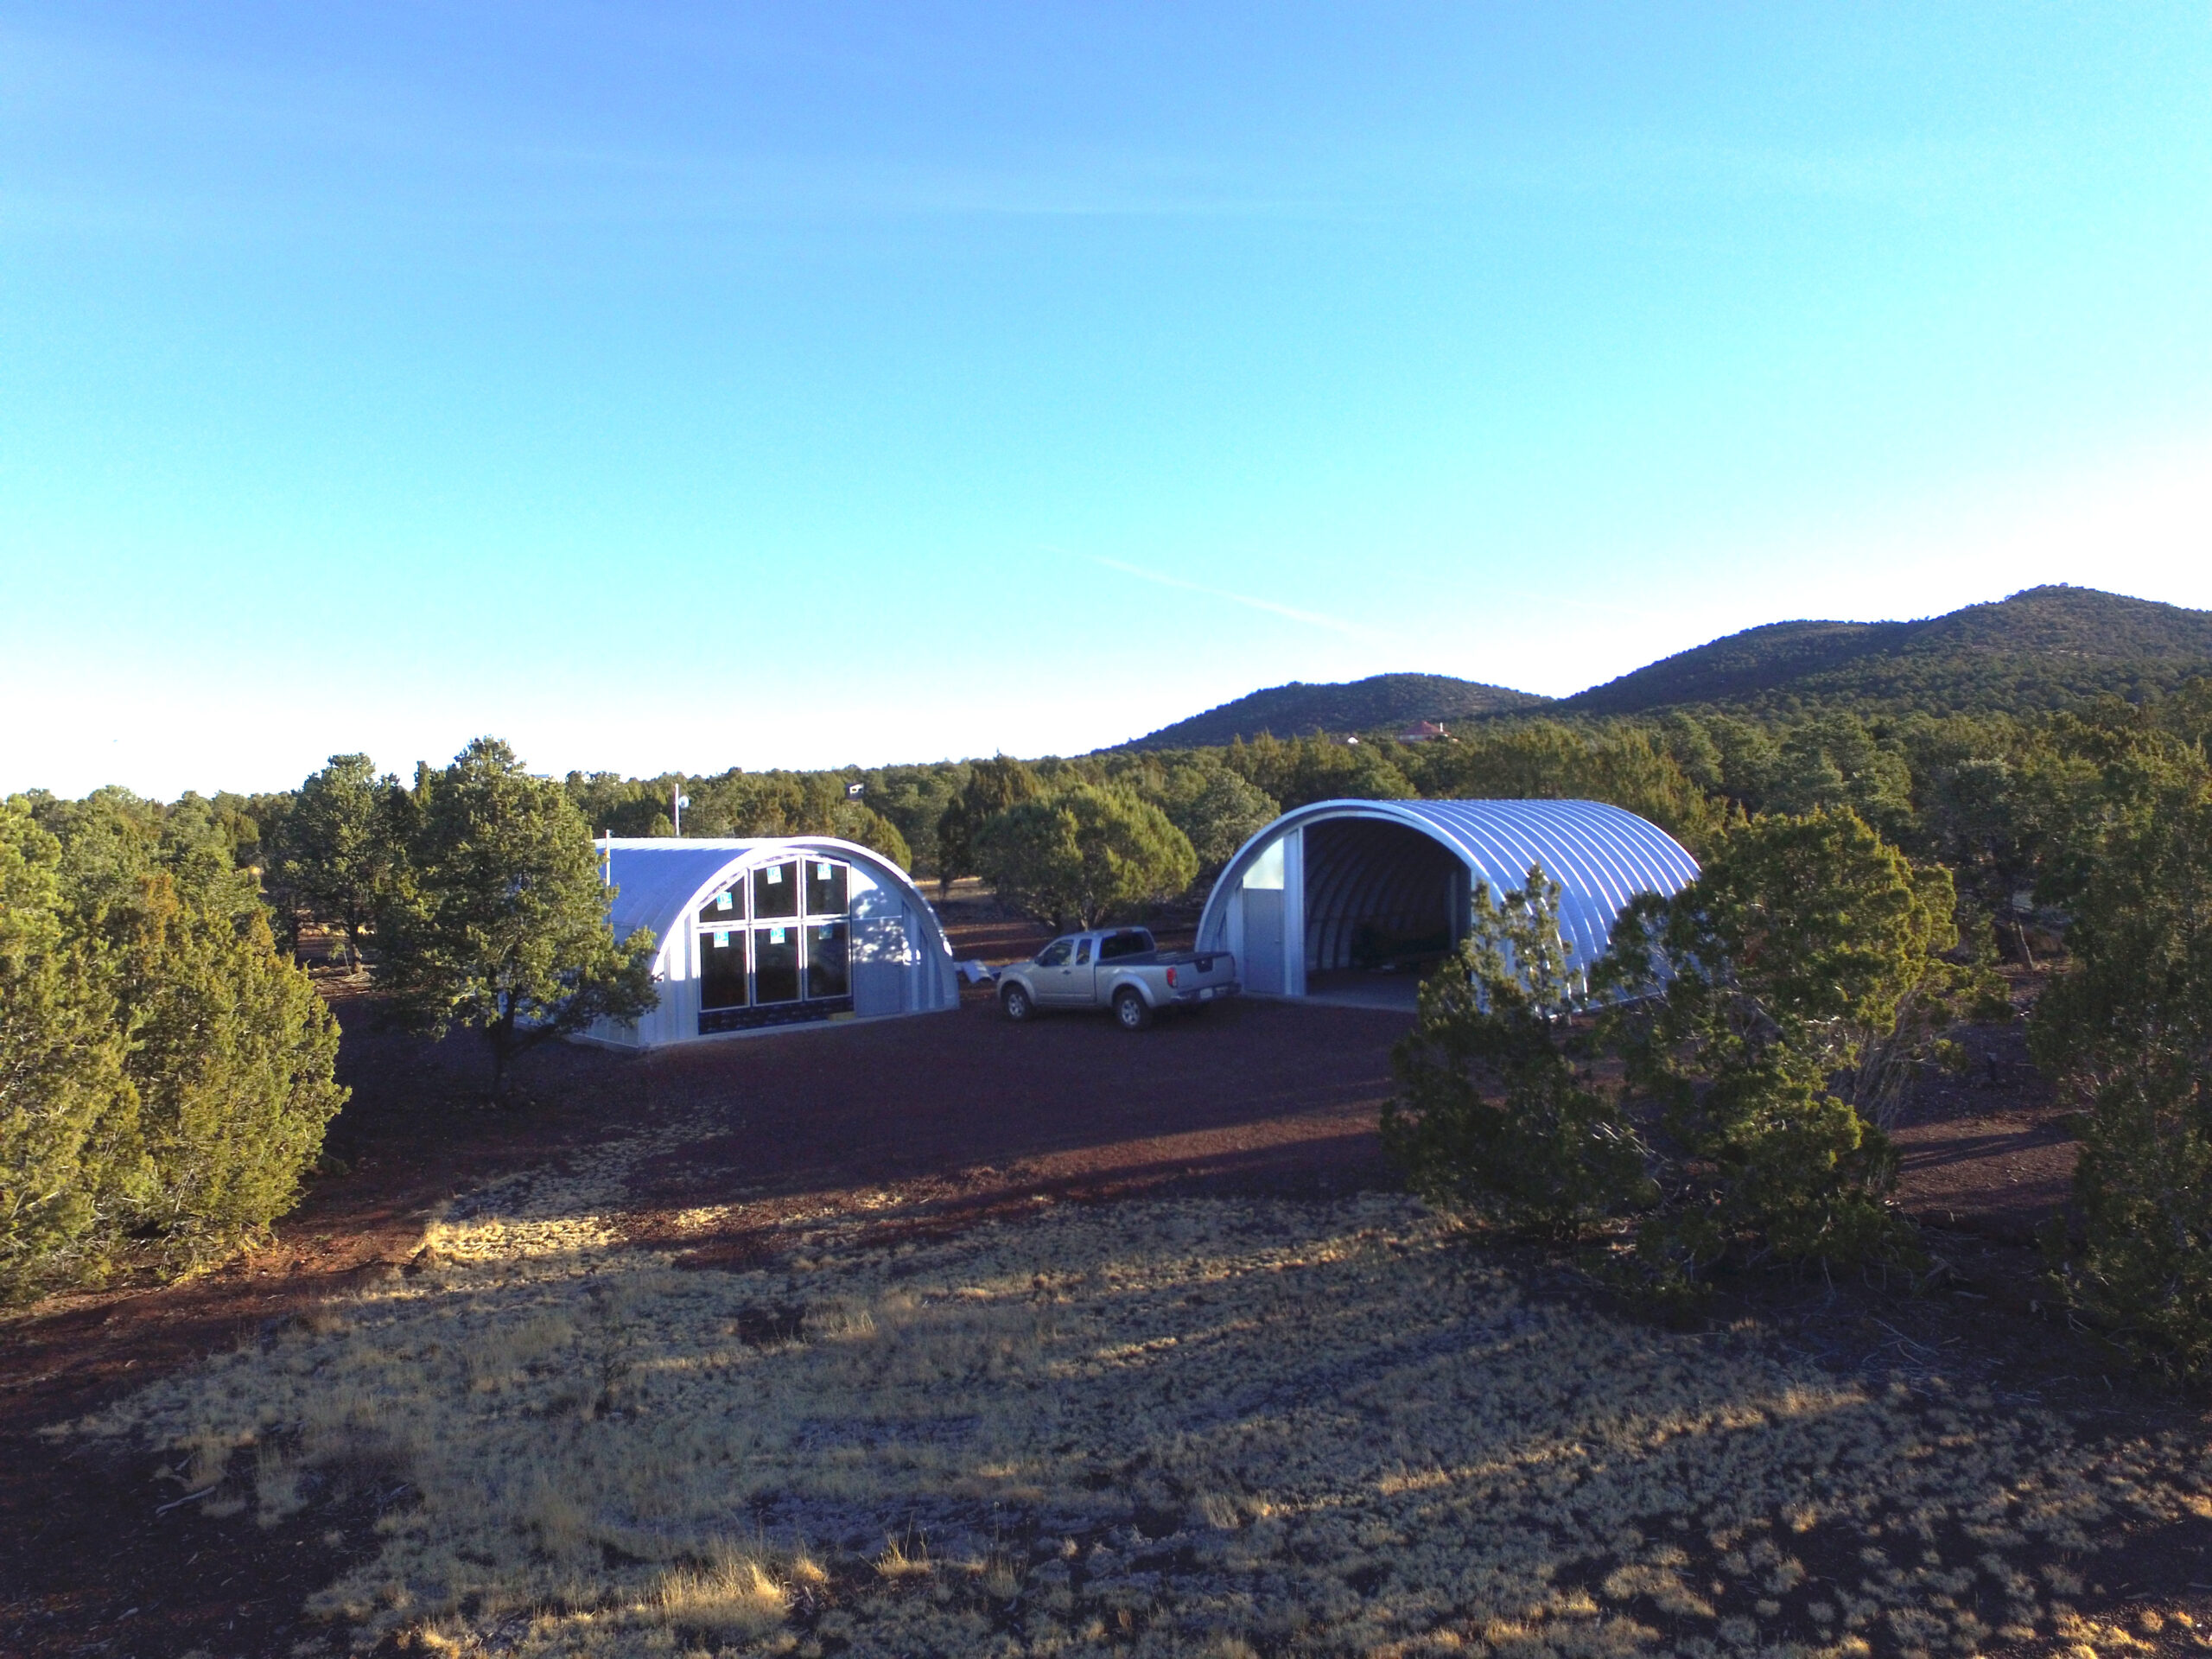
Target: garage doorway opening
1384 905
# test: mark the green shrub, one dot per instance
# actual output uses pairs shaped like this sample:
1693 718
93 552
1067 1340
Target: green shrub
496 916
1799 970
1082 852
165 1075
1492 1116
67 1114
2129 1030
992 786
335 848
1217 811
233 1057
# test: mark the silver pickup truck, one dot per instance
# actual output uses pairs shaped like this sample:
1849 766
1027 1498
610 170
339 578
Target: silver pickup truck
1120 969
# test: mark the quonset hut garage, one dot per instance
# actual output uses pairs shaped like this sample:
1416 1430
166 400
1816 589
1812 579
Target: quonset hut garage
763 933
1353 900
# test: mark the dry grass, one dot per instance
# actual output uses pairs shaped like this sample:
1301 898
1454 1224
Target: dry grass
737 1595
1189 1427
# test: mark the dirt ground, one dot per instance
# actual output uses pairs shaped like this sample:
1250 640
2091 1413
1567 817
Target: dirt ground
903 1128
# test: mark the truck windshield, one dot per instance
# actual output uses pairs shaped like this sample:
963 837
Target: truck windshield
1131 942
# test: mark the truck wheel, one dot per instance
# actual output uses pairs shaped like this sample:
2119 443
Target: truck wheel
1016 1002
1131 1010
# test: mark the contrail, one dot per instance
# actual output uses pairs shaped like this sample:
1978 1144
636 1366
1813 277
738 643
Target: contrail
1314 618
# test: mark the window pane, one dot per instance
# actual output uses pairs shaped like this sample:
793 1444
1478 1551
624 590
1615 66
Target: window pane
1055 954
1130 941
721 968
825 960
825 887
775 964
775 890
724 907
1082 954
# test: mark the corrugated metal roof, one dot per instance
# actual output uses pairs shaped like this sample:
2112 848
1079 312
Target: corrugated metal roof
658 879
1601 856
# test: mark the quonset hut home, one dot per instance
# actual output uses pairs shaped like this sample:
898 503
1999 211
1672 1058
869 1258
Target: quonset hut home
1353 900
756 934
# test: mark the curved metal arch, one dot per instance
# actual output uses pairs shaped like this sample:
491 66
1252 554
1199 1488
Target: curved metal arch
660 883
1600 855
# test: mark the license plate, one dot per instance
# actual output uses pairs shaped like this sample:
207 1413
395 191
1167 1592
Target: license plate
1206 994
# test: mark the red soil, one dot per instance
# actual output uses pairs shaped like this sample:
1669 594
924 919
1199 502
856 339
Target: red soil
853 1130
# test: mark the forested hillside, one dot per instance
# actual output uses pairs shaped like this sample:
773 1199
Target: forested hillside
2042 648
1378 702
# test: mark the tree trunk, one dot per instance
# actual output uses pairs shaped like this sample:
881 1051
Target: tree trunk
502 1033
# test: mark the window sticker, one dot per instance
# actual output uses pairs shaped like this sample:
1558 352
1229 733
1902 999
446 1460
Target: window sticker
722 901
775 936
822 870
722 938
775 875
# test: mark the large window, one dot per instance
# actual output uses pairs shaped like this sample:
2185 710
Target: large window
825 887
774 945
721 968
775 890
775 964
826 953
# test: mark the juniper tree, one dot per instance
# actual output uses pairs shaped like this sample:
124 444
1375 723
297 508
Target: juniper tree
993 786
1768 1004
1493 1117
68 1154
497 917
336 849
165 1075
1082 853
2128 1030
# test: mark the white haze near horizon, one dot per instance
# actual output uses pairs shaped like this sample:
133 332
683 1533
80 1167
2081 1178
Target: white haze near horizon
2141 526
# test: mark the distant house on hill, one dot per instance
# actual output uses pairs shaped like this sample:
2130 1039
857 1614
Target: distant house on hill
1422 731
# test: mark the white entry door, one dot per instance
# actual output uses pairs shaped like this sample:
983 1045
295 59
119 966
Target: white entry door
884 957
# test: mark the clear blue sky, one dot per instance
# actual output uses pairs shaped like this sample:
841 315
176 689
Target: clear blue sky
696 386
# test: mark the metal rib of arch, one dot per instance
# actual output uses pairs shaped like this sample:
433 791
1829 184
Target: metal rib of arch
1601 856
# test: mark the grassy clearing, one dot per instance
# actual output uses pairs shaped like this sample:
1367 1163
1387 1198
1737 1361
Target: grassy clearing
1199 1427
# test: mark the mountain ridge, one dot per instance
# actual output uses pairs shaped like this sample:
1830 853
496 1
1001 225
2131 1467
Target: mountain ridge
1298 708
2039 649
